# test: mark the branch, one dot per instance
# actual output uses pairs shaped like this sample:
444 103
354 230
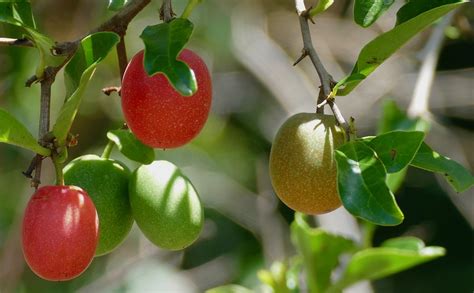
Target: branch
24 42
44 122
166 11
327 82
122 56
118 24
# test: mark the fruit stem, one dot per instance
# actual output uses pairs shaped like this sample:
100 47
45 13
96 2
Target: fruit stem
369 230
108 149
59 169
189 8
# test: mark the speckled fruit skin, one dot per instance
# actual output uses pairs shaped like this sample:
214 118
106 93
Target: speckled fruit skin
302 165
60 232
156 113
165 205
106 182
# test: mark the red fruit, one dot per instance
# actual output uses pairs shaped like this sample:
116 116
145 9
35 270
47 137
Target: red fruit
159 115
60 232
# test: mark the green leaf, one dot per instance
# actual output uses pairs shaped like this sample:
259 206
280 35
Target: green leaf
77 74
382 47
131 147
405 243
44 45
456 174
14 132
393 118
396 149
17 13
366 12
322 6
395 180
229 289
320 250
396 256
362 185
115 5
163 43
416 7
276 277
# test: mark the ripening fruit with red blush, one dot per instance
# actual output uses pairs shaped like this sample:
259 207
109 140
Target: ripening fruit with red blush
60 232
156 112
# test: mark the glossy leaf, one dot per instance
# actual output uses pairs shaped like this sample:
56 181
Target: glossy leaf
320 250
77 74
229 289
416 7
382 47
362 185
14 132
394 256
396 149
131 147
115 5
321 6
393 118
456 174
366 12
163 43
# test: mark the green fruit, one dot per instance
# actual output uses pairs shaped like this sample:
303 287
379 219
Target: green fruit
165 205
302 165
106 182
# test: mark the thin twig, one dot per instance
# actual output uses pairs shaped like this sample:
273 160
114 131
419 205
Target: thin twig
308 50
122 56
327 82
419 105
44 122
24 42
118 24
166 11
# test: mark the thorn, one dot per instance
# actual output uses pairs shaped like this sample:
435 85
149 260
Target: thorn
304 53
33 164
31 80
306 15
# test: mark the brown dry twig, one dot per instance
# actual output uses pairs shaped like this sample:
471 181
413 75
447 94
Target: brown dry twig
327 81
117 23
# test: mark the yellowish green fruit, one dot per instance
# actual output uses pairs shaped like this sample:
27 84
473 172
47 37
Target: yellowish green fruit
106 182
165 205
302 165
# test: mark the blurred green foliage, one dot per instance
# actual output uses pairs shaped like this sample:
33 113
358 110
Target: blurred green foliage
228 154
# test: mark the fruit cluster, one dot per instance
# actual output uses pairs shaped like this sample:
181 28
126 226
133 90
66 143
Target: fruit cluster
65 226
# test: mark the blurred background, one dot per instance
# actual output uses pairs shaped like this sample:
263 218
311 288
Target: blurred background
250 46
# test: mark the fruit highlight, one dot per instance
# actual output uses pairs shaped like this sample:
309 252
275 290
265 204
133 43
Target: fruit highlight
156 113
165 205
60 232
302 166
